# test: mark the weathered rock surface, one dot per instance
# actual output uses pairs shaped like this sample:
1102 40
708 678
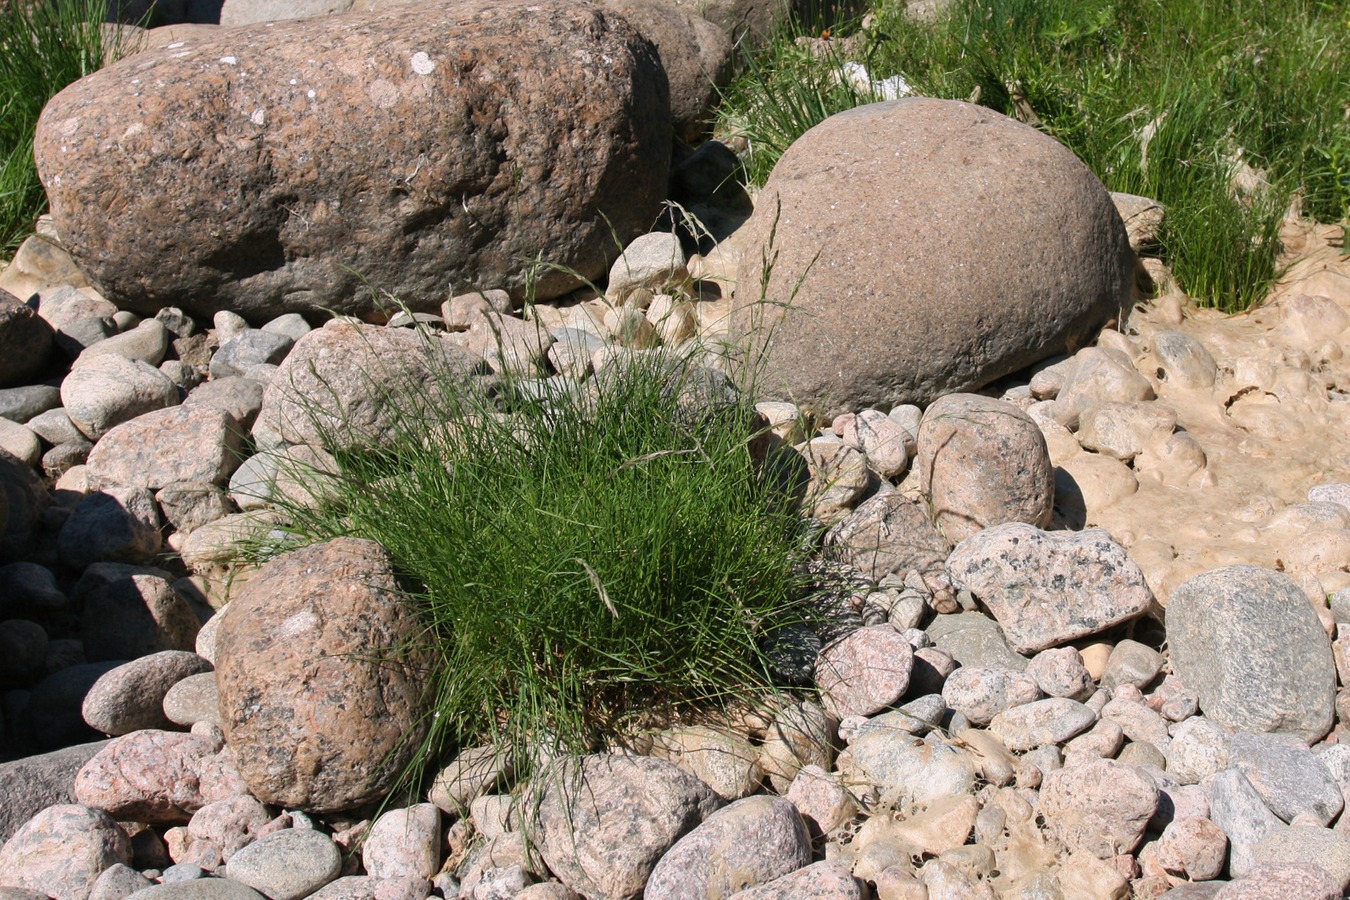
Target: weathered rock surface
181 443
318 693
62 850
334 387
1047 588
605 824
157 776
870 321
1220 627
471 135
983 462
750 842
1102 807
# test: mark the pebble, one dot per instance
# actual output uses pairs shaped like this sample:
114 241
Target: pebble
230 824
747 843
1059 672
1192 848
287 865
1198 749
193 699
404 843
982 692
118 881
131 696
1050 721
821 799
1131 663
1101 808
724 761
864 672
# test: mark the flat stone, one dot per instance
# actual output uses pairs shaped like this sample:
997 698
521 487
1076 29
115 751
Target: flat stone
1287 775
1050 721
1047 588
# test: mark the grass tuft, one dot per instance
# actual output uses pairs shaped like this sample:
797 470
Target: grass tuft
591 562
44 46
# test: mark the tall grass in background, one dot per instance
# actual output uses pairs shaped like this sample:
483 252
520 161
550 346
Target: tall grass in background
1163 99
44 46
589 561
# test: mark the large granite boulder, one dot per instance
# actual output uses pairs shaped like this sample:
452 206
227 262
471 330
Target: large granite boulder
921 247
321 679
696 54
313 164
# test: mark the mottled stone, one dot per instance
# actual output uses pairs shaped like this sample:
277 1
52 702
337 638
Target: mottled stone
1102 807
1046 588
1248 642
62 850
749 842
864 672
321 715
605 823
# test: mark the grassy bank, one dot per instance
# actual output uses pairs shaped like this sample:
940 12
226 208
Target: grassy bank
1169 100
44 46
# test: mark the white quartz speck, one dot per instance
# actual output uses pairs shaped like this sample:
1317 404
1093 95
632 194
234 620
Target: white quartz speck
422 64
259 116
229 60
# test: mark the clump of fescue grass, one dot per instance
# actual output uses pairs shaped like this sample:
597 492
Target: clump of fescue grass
1206 83
44 46
590 561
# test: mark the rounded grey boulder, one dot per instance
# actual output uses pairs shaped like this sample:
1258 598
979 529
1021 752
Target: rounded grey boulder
924 246
1247 640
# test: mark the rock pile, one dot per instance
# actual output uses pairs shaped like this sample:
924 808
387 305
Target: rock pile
1091 645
